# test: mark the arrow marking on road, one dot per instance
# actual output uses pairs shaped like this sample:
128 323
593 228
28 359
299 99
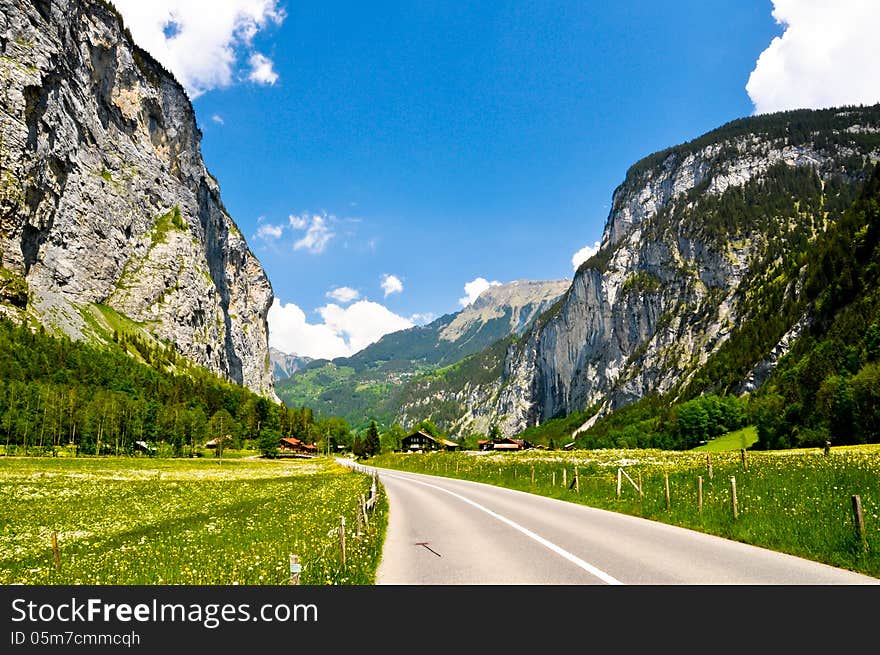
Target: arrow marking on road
574 559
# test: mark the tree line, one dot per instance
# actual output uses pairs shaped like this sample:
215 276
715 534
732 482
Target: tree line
56 392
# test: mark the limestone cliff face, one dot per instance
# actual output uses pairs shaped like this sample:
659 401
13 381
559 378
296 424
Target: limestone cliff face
681 259
671 281
107 212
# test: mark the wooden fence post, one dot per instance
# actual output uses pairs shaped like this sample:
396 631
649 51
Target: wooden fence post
733 497
666 485
533 475
700 493
364 509
56 553
295 568
709 465
827 448
554 478
342 539
577 481
565 477
619 480
859 520
641 488
745 459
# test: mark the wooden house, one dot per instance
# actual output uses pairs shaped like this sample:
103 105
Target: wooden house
422 441
295 446
216 442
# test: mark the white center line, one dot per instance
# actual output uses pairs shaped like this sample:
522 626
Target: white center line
574 559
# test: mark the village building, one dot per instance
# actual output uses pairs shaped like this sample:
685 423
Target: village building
144 447
294 446
509 443
505 443
214 443
422 441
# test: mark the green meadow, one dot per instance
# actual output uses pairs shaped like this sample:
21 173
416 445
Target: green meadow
197 521
793 501
736 440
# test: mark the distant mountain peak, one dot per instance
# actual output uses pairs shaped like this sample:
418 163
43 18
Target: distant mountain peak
286 364
520 302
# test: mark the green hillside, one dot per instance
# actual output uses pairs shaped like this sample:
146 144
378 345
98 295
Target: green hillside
56 393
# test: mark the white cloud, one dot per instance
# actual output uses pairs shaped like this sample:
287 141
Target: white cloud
199 41
262 71
362 323
343 294
298 222
344 331
826 56
269 232
317 235
217 118
474 288
391 284
583 255
290 332
423 319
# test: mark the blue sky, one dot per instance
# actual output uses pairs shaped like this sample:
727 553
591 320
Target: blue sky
388 153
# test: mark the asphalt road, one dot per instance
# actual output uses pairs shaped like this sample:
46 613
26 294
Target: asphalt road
445 531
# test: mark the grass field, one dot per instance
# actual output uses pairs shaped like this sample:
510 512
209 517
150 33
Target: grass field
799 502
730 441
183 521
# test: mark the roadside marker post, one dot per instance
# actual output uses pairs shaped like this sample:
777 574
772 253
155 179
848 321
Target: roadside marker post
342 539
859 520
666 485
295 569
733 497
56 553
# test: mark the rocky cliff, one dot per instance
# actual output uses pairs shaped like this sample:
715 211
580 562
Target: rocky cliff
109 220
695 245
285 365
511 308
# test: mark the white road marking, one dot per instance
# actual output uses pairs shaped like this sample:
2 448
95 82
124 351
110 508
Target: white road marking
574 559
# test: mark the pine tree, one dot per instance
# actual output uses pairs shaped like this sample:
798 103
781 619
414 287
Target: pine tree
371 442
